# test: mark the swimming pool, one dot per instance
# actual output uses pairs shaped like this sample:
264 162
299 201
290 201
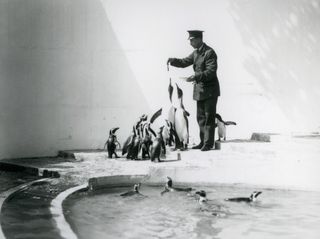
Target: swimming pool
276 214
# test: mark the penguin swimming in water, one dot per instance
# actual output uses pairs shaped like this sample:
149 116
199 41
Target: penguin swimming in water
134 191
112 143
170 188
222 127
181 121
213 208
202 196
252 198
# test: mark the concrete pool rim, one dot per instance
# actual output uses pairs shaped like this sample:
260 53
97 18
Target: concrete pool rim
94 184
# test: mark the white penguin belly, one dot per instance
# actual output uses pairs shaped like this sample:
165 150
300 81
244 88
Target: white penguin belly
181 126
221 129
171 114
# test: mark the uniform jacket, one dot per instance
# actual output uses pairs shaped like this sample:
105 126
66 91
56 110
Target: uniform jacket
204 60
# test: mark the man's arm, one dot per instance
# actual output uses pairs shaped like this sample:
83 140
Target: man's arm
184 62
211 68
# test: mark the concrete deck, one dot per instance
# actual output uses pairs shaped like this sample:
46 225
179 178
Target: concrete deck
285 162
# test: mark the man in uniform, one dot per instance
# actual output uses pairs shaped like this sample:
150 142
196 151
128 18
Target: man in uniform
206 89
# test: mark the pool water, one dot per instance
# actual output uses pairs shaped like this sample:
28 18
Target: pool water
276 214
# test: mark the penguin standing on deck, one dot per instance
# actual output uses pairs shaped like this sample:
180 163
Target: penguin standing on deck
172 109
112 143
169 131
222 127
181 121
132 145
146 132
157 145
252 198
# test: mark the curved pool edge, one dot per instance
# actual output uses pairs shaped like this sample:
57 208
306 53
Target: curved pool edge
11 192
94 184
56 211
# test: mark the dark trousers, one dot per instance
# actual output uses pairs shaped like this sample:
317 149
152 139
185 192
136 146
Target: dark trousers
206 112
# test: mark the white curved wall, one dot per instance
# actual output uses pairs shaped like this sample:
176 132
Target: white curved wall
65 79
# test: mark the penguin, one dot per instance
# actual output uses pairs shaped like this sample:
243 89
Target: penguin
222 127
172 109
136 145
146 132
128 144
170 118
132 145
181 121
155 115
157 145
207 205
202 196
146 143
252 198
112 143
170 188
135 191
167 133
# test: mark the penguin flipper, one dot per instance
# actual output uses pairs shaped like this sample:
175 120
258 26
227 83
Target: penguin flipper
219 117
187 124
230 123
152 132
170 89
186 113
104 147
156 115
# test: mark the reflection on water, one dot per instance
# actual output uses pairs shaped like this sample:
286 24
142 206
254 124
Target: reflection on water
277 214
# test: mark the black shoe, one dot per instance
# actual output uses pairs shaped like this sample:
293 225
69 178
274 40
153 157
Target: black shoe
206 148
199 146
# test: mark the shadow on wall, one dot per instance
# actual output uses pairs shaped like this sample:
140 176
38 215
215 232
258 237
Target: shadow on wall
282 40
65 78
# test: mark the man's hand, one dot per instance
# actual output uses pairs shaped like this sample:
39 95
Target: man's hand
169 61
